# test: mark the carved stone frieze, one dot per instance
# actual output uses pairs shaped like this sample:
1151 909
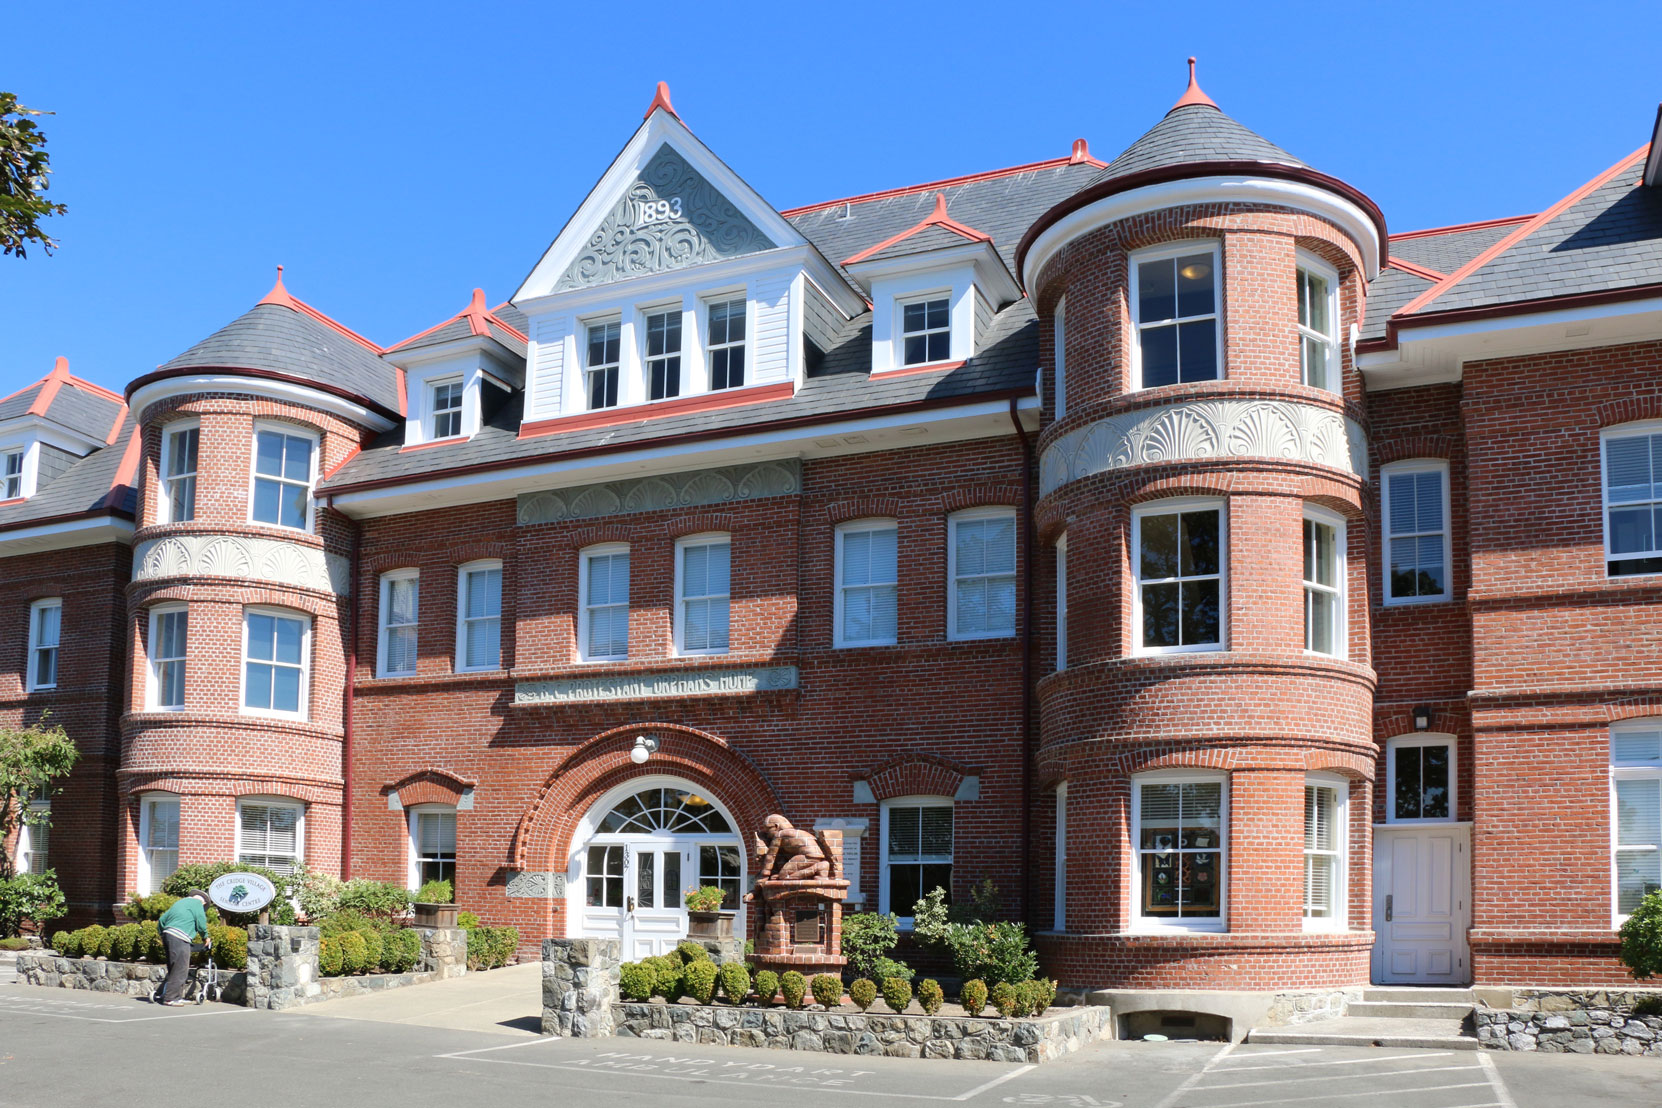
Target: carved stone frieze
242 557
672 490
1207 429
523 884
654 686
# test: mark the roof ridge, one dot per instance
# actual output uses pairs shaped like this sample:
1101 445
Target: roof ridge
936 218
948 182
475 313
51 384
1455 228
1417 270
1522 232
96 389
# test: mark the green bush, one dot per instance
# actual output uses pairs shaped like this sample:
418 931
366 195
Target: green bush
508 944
666 975
827 989
735 982
1045 993
973 996
691 952
1030 998
124 943
382 900
889 967
95 941
436 892
794 986
200 875
1641 935
1004 998
30 897
897 993
767 986
868 936
66 944
701 980
348 919
317 893
401 950
374 947
466 920
141 908
329 956
635 981
354 952
980 948
930 996
863 992
230 946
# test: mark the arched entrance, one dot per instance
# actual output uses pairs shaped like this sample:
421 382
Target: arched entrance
639 847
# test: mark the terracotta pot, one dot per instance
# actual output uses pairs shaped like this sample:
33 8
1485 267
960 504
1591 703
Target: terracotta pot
710 925
435 915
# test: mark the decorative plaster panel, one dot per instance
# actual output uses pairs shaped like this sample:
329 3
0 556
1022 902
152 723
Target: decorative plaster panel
654 686
242 557
1206 429
670 218
672 490
536 886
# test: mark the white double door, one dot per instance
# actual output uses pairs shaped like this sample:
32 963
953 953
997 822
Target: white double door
1422 904
633 893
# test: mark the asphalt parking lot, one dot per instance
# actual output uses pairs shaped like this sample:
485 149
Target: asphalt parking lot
63 1049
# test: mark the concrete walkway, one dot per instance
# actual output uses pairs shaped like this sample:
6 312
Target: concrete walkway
505 1001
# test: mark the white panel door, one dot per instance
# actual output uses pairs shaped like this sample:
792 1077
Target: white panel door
654 920
1422 904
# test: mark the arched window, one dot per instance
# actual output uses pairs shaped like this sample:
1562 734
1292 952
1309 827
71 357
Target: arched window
672 811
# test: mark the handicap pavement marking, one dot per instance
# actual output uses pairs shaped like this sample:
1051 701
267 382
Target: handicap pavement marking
1230 1075
709 1071
79 1010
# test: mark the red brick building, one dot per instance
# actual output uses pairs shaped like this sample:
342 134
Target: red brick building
1260 599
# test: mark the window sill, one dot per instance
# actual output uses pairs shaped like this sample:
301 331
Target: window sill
284 717
923 367
981 638
1164 651
1145 929
1414 601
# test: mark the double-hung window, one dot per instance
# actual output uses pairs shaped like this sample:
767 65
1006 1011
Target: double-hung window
45 625
432 845
11 474
702 582
663 354
400 616
1318 325
158 840
925 330
1324 583
1174 296
1179 826
917 852
178 501
168 635
283 469
1417 547
35 837
446 409
270 833
1324 854
868 583
981 566
479 616
1419 773
1062 602
726 344
275 647
1633 502
600 367
603 606
1636 796
1180 558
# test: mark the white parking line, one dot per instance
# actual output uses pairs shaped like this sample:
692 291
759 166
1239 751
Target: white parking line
1337 1076
1370 1092
130 1019
1271 1053
1196 1077
995 1082
1502 1096
505 1046
1343 1061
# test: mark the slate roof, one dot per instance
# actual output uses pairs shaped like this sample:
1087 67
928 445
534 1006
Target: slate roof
1388 294
1447 251
1193 133
75 404
930 238
462 326
88 487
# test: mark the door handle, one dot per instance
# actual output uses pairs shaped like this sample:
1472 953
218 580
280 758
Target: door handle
1387 907
629 905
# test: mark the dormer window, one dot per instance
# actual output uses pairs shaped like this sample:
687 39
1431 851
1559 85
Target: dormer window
1174 301
926 330
605 343
726 344
11 475
663 354
447 409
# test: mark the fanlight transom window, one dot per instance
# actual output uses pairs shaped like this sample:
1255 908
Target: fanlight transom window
671 811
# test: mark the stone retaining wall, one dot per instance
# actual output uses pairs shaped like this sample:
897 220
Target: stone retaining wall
139 979
1568 1021
1290 1009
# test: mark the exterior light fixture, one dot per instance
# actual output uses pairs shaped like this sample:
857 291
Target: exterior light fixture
1194 271
693 800
645 748
1422 717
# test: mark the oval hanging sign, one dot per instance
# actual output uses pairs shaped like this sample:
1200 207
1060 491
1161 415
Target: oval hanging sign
242 892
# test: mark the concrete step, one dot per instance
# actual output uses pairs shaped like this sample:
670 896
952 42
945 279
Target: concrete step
1417 995
1438 1034
1410 1010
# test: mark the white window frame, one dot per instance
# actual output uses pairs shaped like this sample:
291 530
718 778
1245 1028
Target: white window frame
1059 343
923 801
1312 264
901 303
1626 772
585 556
9 476
456 411
715 300
1161 253
644 316
1059 899
384 624
843 530
1339 920
974 515
164 506
26 836
36 612
414 852
589 369
1416 465
1171 507
293 430
1644 429
686 542
462 620
148 882
1163 924
1339 592
156 659
305 620
1062 602
272 802
1418 740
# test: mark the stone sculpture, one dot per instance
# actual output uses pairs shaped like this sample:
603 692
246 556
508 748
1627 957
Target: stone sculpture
798 896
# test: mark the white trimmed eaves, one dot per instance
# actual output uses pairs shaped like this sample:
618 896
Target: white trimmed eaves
991 274
285 391
91 530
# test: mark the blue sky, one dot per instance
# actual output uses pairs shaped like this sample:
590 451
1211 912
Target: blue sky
392 157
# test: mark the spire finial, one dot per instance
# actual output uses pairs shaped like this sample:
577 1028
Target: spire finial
1081 152
278 294
940 206
60 367
661 100
1193 95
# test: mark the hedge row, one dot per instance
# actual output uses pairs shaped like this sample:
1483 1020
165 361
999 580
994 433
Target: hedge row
142 942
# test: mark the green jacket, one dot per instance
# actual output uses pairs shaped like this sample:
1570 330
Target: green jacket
185 917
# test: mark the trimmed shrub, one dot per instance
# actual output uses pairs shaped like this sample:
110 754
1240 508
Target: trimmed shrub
794 986
318 892
141 908
827 989
95 941
980 948
889 967
691 952
466 920
329 956
150 939
666 976
202 874
700 979
1027 998
124 942
508 938
930 996
1004 998
230 946
348 920
735 982
354 952
1641 950
1044 995
635 981
897 993
374 947
863 992
973 996
868 936
66 944
401 950
436 892
767 986
381 900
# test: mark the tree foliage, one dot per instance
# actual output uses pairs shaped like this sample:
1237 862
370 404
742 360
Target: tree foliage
31 758
24 174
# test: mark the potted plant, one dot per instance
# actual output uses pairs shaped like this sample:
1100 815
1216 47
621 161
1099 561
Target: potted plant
705 919
434 905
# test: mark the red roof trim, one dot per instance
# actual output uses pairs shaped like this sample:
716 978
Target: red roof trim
430 445
1417 270
508 327
661 100
340 465
1519 234
936 218
120 418
646 413
949 182
1452 228
21 391
1517 307
124 473
280 297
1192 94
403 393
50 386
478 319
